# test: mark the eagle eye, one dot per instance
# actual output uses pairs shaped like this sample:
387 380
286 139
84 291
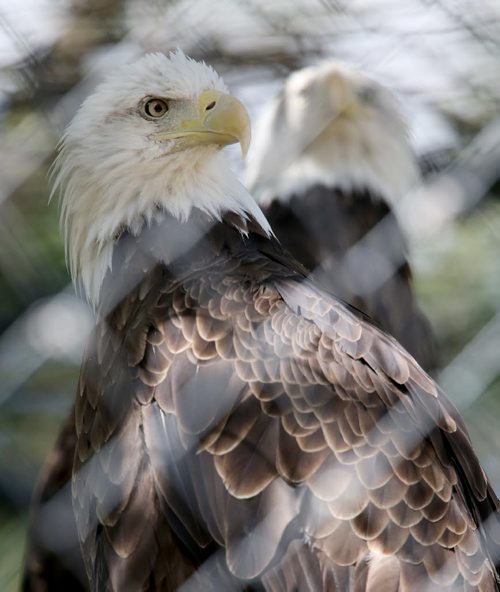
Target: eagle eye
155 108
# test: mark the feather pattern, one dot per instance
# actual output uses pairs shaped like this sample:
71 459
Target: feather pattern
353 245
52 559
241 423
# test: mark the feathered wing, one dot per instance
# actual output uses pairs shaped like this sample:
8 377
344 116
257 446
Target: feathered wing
53 560
237 426
352 243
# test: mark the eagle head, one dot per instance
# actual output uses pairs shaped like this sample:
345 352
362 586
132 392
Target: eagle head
146 142
333 125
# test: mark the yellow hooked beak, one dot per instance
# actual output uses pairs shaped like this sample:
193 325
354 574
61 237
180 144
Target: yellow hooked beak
221 120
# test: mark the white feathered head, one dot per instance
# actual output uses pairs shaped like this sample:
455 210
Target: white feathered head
331 124
147 141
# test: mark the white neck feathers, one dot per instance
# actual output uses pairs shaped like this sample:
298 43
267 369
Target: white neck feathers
98 203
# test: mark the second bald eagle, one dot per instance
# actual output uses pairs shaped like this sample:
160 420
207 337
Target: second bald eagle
331 156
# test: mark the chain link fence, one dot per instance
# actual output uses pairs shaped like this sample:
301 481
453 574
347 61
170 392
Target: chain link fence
441 58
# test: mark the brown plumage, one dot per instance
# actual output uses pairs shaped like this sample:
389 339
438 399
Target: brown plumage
239 427
347 238
53 559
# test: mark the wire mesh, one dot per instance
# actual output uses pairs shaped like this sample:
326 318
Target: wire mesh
440 57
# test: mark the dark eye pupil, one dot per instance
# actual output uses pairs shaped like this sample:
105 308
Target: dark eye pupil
156 107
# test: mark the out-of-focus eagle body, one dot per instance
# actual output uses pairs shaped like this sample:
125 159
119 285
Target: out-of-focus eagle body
238 427
330 160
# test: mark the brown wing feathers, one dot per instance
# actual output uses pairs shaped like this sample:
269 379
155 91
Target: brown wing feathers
53 559
284 429
351 242
240 429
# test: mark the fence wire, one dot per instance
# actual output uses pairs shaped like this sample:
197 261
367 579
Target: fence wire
440 57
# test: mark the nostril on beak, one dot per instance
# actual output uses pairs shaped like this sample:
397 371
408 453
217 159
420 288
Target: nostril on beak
210 106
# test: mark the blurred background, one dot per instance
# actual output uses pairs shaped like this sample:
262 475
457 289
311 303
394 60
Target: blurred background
440 57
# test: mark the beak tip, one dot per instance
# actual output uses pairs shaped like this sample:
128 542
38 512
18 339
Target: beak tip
245 138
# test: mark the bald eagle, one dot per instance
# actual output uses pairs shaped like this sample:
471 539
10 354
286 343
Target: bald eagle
237 427
331 156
